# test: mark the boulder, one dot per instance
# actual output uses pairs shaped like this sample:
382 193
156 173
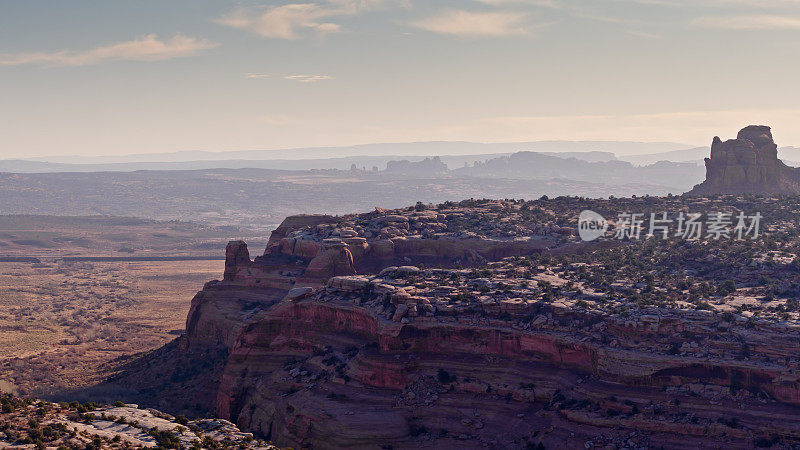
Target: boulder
334 260
383 249
297 222
400 313
348 283
358 246
298 293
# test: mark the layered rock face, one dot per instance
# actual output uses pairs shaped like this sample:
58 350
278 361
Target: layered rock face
316 247
748 164
337 370
308 250
469 327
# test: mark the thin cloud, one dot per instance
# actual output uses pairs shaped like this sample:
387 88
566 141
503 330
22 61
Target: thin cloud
357 6
146 48
577 9
308 78
562 4
760 4
294 20
552 4
748 22
281 22
672 3
466 23
643 34
610 19
780 14
255 76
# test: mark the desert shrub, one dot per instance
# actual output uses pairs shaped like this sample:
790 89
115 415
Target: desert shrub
165 439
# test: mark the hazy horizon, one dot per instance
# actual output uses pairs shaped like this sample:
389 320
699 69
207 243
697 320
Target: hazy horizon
157 77
450 148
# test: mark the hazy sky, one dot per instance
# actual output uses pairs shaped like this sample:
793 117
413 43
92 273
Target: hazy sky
113 77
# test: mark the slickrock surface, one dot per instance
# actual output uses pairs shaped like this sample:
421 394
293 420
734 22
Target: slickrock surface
748 164
489 324
40 424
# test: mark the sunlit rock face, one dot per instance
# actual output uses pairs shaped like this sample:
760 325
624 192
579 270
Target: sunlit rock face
748 164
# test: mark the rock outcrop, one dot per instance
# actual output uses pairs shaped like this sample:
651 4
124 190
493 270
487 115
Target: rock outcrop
236 256
328 246
489 324
334 259
37 424
748 164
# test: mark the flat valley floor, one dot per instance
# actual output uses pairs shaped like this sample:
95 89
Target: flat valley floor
62 323
67 323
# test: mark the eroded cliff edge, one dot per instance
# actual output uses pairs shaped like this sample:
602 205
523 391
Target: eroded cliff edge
479 324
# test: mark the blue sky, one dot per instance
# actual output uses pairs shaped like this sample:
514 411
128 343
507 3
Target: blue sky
115 77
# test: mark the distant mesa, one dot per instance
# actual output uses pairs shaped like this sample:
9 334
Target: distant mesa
747 164
427 167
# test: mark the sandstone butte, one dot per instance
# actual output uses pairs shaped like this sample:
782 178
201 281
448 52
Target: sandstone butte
747 164
345 334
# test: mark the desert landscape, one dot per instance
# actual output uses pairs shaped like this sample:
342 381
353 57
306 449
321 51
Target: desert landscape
400 225
463 324
77 293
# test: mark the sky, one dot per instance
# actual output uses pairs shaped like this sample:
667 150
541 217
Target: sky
117 77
